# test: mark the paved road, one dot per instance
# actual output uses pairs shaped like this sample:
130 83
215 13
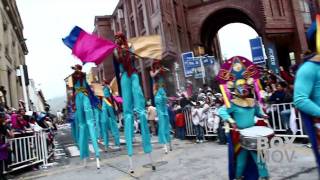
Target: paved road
188 161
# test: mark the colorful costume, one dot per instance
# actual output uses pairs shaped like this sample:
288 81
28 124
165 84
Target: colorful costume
97 118
307 89
108 119
133 98
307 100
84 114
160 100
239 74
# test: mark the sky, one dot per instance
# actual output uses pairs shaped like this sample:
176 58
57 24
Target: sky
47 21
234 40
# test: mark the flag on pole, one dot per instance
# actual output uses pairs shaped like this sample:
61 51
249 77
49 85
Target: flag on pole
88 47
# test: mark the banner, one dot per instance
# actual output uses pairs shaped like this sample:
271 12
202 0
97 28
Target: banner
257 51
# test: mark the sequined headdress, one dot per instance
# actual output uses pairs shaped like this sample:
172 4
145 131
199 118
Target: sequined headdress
235 72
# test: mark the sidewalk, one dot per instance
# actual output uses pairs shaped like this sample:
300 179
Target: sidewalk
186 161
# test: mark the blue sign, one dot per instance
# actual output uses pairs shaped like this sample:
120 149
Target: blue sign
187 60
192 65
257 51
208 60
272 58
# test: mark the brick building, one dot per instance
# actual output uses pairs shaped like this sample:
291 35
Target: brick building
190 25
12 53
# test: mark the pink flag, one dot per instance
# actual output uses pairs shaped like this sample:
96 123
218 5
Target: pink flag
90 48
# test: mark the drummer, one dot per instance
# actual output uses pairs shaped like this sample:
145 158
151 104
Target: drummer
239 111
241 115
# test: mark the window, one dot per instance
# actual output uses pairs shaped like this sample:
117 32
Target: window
154 6
140 20
6 50
181 39
176 10
157 30
132 28
169 33
129 6
305 11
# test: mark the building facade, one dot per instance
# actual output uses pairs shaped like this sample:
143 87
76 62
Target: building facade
12 51
192 25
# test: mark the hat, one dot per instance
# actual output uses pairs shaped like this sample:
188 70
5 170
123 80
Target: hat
77 66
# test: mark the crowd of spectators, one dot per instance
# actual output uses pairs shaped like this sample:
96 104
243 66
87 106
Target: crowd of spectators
19 123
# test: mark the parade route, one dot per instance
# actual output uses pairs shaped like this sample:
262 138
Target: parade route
187 161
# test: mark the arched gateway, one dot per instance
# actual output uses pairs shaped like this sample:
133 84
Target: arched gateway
280 23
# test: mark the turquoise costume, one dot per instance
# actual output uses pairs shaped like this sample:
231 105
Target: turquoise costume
133 100
244 117
162 112
108 120
307 100
241 76
307 88
85 119
97 118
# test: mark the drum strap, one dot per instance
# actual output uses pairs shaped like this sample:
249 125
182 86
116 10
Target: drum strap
235 136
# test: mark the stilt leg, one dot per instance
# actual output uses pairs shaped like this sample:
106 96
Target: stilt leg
151 162
85 162
165 149
98 163
130 165
170 146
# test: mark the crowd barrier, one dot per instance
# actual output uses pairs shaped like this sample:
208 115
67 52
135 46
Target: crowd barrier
29 149
275 121
190 131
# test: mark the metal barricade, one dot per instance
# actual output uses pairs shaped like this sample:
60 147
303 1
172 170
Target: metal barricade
277 123
190 131
28 150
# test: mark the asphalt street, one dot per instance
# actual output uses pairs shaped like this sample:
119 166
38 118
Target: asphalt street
187 161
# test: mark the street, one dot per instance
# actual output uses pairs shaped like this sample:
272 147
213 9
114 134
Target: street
187 161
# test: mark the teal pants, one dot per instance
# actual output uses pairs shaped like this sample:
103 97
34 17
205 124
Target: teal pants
97 118
241 163
163 116
133 100
109 123
85 117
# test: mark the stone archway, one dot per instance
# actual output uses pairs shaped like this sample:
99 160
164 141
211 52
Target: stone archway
218 19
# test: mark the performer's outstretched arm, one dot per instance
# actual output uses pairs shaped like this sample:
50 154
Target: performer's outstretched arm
259 113
303 86
225 112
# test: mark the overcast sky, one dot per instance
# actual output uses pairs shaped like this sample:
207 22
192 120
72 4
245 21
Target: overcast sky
47 21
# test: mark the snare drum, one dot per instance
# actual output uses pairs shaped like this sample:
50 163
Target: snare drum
249 136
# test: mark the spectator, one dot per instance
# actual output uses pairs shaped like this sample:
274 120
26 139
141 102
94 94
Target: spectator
180 125
184 101
197 122
172 116
151 113
4 147
279 95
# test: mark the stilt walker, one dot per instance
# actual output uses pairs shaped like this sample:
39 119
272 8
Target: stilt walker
97 109
160 100
133 99
84 114
108 118
240 75
307 90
